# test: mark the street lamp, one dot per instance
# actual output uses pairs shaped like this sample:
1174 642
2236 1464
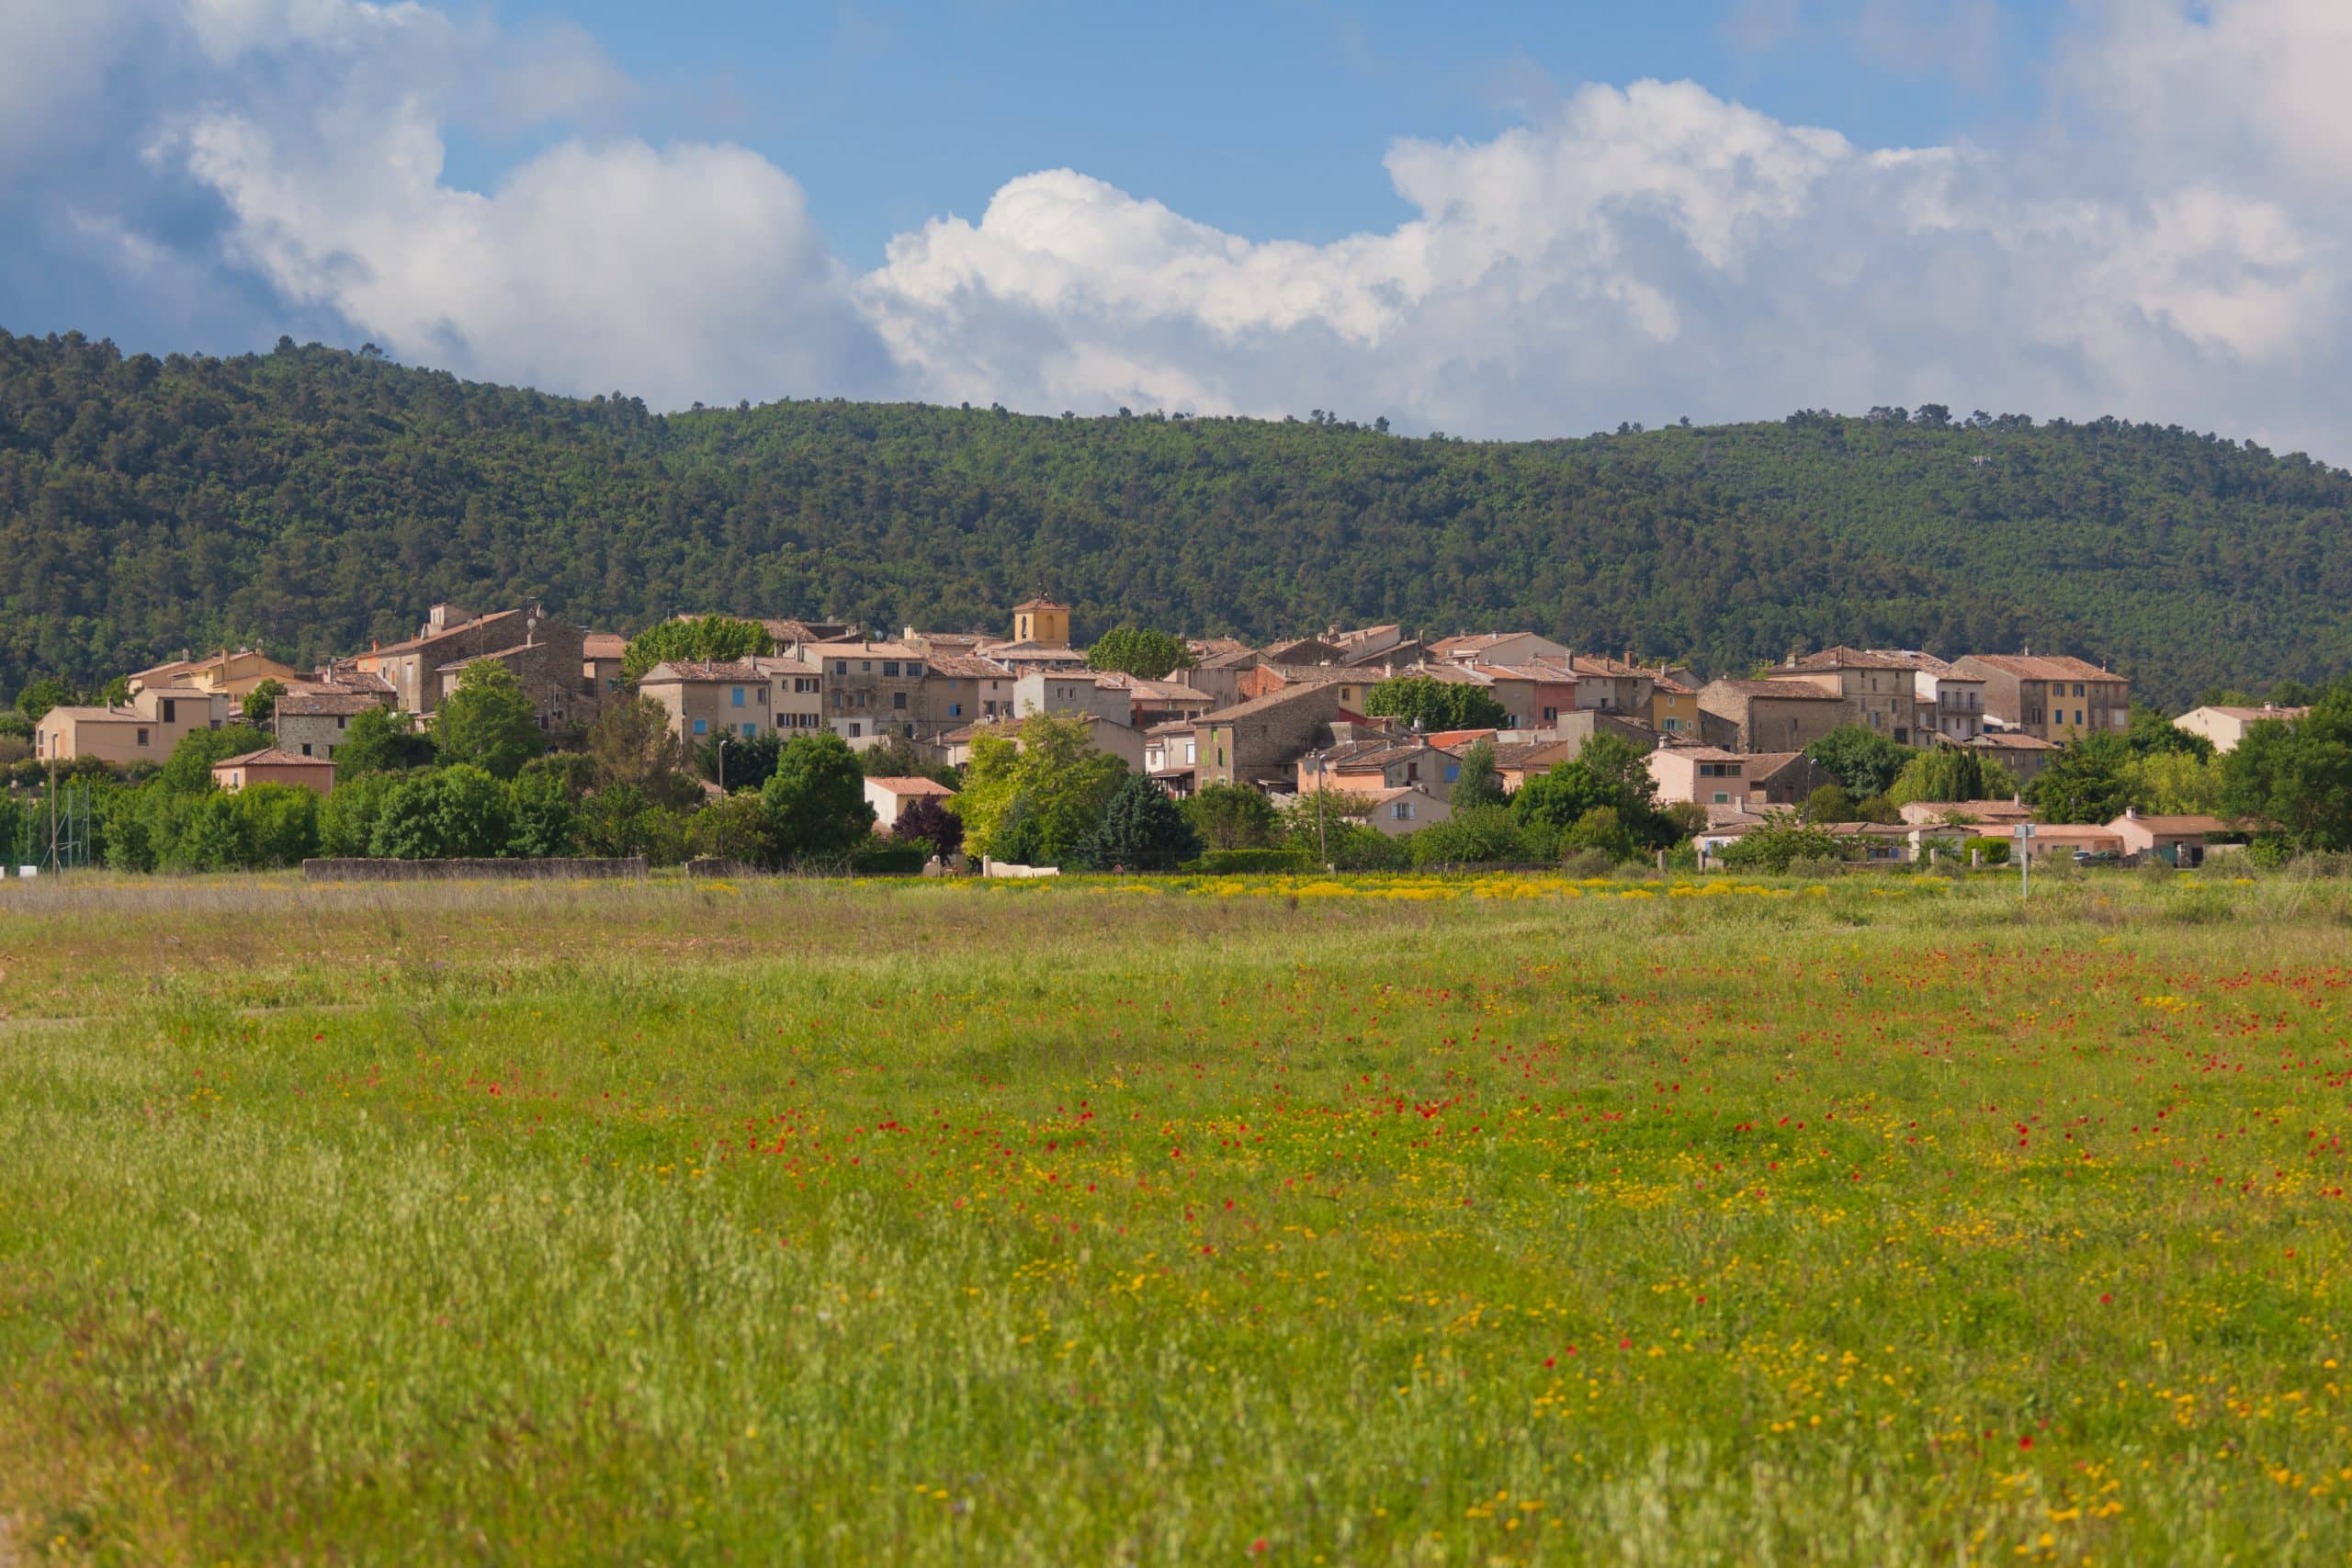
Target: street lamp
1322 847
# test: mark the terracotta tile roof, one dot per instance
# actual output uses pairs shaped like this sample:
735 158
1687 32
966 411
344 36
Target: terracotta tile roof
2249 715
298 704
270 757
1257 706
1039 605
968 667
1843 658
1798 690
697 670
2045 667
2193 823
603 644
911 786
858 650
1447 739
2011 740
415 643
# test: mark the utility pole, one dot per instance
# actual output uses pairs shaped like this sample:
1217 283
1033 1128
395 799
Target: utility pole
1322 845
2025 860
53 867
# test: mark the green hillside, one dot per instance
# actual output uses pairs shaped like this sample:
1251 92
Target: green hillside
313 499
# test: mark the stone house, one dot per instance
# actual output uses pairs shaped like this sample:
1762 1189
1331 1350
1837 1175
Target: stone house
1352 686
1217 674
2024 755
796 688
871 688
963 688
1784 778
600 662
1766 715
1406 810
1257 741
142 730
741 697
1084 690
547 657
1370 766
1877 687
2051 697
312 718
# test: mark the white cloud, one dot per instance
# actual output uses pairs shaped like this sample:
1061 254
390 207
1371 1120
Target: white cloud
2165 244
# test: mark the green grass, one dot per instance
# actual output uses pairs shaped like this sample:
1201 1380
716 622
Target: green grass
1878 1222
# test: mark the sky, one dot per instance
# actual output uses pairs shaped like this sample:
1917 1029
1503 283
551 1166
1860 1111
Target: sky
1496 220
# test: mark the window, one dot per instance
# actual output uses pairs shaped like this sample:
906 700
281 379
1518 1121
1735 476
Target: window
702 726
955 710
171 711
1452 771
865 667
1401 811
1673 725
1554 713
890 667
804 684
762 692
735 696
914 672
841 666
306 748
1413 773
899 701
1722 798
855 729
143 737
2078 688
342 721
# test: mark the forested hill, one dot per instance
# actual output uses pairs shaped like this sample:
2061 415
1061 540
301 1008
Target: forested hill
313 499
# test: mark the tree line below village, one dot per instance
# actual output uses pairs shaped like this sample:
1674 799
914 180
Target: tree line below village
310 499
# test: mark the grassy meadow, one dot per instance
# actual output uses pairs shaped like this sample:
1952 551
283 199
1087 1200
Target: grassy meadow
1513 1219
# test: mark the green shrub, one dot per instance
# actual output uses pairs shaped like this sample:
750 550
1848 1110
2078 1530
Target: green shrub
890 857
1242 863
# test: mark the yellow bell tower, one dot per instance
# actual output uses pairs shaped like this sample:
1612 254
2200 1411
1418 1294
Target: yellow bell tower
1043 622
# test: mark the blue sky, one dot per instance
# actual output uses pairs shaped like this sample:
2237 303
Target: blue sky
1497 221
1268 120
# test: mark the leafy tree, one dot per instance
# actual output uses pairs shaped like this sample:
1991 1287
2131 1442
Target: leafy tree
573 772
457 812
488 721
1137 650
378 741
926 821
189 768
1232 817
1484 835
621 820
1477 784
347 816
738 762
260 706
733 827
816 799
1830 802
279 824
897 758
546 815
1944 774
15 726
1055 775
1143 830
1608 771
2175 784
632 743
1780 842
41 695
1860 759
2083 782
1437 705
1601 830
2297 778
2150 734
705 639
116 692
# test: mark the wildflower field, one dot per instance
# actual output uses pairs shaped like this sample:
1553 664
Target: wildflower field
1291 1221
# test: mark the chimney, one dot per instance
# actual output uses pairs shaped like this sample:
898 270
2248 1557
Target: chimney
2131 814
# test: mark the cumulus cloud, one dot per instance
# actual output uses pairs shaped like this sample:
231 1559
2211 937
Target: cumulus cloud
2165 242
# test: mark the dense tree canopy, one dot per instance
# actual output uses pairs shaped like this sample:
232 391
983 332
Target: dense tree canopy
1437 705
1140 651
709 638
311 500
